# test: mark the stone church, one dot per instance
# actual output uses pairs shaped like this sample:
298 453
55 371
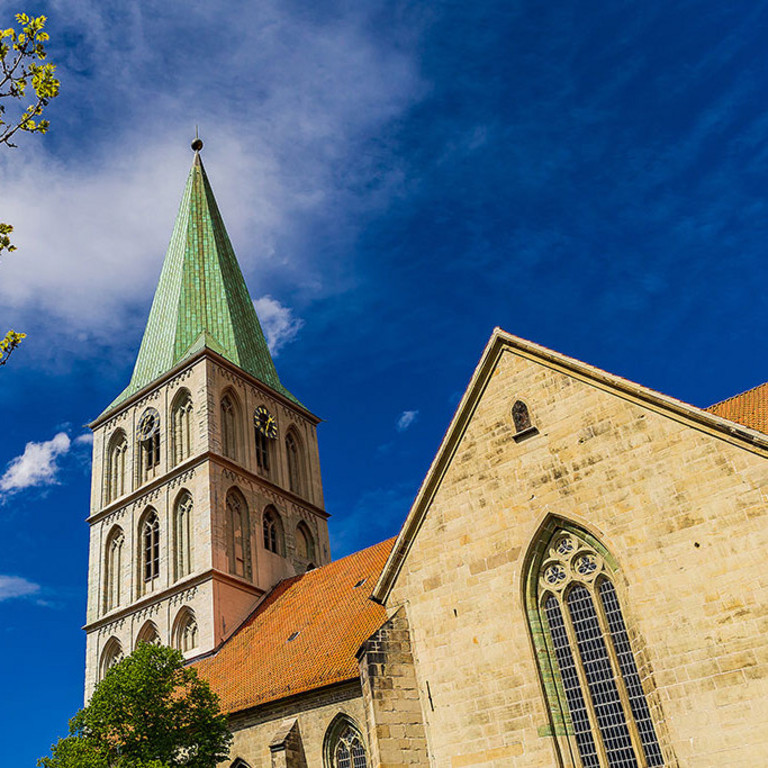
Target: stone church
578 584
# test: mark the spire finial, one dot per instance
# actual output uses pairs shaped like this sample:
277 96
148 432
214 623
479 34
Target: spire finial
197 144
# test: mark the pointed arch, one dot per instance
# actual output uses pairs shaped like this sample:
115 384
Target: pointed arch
294 453
182 534
230 413
272 530
148 633
111 655
305 542
148 443
238 762
344 745
587 666
113 568
185 630
149 550
181 426
238 530
115 471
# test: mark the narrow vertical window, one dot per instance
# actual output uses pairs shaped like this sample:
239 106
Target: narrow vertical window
182 530
149 444
185 633
295 470
305 545
116 463
262 450
150 548
181 418
230 418
272 531
238 536
111 655
113 569
582 628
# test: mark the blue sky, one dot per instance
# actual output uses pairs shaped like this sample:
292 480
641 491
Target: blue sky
397 179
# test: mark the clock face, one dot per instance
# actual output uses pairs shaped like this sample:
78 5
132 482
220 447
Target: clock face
149 423
265 422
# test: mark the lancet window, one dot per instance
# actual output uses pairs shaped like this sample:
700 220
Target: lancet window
238 535
111 655
150 548
149 444
344 746
262 450
182 534
116 464
295 463
181 424
272 530
588 645
230 427
113 569
305 544
185 635
148 634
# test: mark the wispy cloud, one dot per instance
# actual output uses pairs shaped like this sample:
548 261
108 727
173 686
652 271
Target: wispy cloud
85 439
15 586
37 466
278 322
405 420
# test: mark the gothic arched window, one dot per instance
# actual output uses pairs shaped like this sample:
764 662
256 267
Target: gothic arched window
344 746
273 532
148 634
305 544
111 655
150 548
230 427
185 631
181 426
295 463
149 444
182 535
113 569
577 614
238 535
116 464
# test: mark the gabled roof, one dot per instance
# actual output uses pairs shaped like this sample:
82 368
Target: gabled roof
704 420
201 298
332 617
750 408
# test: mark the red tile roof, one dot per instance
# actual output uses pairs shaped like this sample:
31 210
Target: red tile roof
332 617
750 408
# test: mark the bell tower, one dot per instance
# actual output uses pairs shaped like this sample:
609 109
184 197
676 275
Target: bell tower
206 486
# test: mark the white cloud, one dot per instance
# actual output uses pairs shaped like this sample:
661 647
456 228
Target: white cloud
36 466
405 420
85 439
15 586
278 323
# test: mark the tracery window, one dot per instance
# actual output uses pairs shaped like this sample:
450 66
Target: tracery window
185 635
181 426
305 544
148 634
149 444
182 534
295 470
238 535
272 531
230 424
344 746
150 548
608 716
111 655
116 463
113 569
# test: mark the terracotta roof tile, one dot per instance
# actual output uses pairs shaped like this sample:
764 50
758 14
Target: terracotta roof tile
332 617
750 408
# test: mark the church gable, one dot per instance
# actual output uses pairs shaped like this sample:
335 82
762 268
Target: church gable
669 495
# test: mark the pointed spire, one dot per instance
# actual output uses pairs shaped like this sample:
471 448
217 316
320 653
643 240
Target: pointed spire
201 298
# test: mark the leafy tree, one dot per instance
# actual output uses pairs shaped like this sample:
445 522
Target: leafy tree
25 75
149 711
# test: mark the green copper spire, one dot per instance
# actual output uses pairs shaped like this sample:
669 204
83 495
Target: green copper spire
201 298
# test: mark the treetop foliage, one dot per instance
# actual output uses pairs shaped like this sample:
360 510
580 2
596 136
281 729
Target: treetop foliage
149 711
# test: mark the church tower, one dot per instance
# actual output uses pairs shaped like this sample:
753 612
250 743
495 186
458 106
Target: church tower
206 485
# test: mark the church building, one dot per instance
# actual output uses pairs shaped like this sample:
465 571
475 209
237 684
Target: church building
578 584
